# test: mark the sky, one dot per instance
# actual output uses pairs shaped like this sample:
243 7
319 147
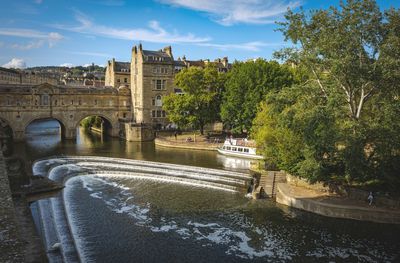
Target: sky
81 32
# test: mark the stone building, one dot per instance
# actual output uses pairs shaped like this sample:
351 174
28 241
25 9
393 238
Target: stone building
118 74
152 78
13 76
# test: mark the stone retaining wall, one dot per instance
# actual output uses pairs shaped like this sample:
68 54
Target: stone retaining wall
317 206
11 247
189 145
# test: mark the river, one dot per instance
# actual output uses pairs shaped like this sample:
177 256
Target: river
124 219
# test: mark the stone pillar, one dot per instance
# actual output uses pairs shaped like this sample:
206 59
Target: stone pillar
19 136
70 134
137 133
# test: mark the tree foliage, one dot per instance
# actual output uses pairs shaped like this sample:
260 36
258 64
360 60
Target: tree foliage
199 105
342 123
247 84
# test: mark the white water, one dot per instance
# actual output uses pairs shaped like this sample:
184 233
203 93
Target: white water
237 234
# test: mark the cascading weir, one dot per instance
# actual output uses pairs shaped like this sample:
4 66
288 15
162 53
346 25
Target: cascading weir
61 168
198 176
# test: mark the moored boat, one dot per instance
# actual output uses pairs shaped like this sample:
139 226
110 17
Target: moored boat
239 148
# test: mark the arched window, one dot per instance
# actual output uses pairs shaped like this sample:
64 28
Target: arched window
158 101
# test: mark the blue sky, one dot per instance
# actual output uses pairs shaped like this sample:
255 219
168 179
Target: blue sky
79 32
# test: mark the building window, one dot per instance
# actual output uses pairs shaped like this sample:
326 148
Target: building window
153 113
124 115
164 113
118 80
126 80
158 114
158 101
160 84
153 102
44 100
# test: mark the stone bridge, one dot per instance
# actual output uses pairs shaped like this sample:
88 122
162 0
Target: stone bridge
20 105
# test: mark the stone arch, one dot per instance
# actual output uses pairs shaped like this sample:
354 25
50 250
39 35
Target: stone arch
108 127
60 122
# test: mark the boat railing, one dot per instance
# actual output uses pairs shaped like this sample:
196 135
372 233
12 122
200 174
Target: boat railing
241 142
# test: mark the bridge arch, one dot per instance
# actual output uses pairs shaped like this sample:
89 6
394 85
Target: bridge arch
38 119
106 127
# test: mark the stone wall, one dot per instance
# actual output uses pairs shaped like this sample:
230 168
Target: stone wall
136 133
11 247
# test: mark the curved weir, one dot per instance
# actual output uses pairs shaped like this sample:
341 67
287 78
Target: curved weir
56 227
123 210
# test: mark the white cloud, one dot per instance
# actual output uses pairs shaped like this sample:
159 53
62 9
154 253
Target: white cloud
30 45
51 38
38 1
87 65
68 65
248 46
228 12
154 33
15 63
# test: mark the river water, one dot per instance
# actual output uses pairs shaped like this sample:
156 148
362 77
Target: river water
116 218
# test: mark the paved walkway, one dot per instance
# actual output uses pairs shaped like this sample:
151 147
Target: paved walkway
333 205
188 141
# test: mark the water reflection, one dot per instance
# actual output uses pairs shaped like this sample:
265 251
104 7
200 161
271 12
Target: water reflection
234 163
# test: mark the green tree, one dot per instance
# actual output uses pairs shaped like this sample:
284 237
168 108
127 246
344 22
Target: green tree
247 83
341 122
199 105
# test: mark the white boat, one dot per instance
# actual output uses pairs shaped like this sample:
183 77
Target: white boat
239 148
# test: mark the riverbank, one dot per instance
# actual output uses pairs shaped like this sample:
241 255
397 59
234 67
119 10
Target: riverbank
334 205
19 241
188 141
300 197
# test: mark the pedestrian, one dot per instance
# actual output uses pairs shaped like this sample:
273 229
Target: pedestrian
176 135
370 198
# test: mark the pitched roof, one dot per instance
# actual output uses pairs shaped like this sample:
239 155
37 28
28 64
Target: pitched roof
150 55
179 63
122 65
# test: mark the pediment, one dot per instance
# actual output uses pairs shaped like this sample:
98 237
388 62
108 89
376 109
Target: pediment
45 88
